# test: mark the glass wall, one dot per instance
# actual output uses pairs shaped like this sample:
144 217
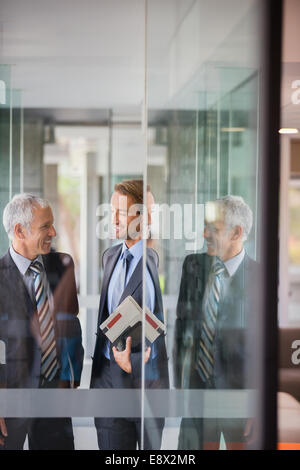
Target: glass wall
167 96
212 135
289 318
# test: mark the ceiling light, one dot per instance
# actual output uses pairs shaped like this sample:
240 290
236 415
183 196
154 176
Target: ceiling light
233 129
288 131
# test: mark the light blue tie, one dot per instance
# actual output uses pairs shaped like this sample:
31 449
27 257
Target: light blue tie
204 355
120 284
118 290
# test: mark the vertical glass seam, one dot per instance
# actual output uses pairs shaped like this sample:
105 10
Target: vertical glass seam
145 131
196 179
229 144
257 167
218 145
21 149
10 145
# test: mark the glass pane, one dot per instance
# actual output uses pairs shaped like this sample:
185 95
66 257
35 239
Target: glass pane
288 390
5 130
293 252
70 131
115 97
203 99
16 142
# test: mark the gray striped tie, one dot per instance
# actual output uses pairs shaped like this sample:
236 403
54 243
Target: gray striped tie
204 355
49 361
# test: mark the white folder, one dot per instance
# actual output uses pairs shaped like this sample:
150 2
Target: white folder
126 321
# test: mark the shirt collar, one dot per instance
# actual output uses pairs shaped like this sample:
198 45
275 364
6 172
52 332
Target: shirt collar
136 250
21 262
232 264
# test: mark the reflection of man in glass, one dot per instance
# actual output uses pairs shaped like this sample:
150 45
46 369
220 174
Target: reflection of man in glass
123 277
38 323
212 315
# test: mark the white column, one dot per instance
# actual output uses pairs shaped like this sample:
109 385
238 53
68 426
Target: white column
89 244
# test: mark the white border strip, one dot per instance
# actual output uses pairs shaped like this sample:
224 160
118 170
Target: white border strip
126 403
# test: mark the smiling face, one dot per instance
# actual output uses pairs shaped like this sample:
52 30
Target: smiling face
37 240
127 218
218 238
221 240
120 205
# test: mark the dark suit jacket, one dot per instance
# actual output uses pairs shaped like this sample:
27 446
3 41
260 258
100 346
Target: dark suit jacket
19 323
156 369
233 337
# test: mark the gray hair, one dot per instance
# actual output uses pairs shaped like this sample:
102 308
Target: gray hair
236 212
20 211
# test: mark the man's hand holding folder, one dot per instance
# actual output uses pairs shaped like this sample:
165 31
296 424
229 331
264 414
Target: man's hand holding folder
124 330
122 358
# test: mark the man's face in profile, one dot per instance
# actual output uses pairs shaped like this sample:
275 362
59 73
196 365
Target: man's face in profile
217 235
127 216
38 239
217 238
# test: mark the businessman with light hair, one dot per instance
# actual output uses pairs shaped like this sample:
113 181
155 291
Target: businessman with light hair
123 276
213 313
38 322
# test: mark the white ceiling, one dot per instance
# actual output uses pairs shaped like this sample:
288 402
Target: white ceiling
70 54
90 55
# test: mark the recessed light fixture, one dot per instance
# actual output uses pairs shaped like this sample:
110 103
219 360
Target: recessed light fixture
288 131
233 129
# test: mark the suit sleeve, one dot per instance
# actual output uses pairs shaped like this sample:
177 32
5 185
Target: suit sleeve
65 293
2 362
69 334
183 337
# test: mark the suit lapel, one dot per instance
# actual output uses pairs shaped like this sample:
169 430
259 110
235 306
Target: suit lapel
109 267
207 267
151 264
51 274
15 279
203 273
137 277
135 280
237 281
235 292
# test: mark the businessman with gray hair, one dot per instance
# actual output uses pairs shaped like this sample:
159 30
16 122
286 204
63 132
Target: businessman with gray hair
212 327
38 322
